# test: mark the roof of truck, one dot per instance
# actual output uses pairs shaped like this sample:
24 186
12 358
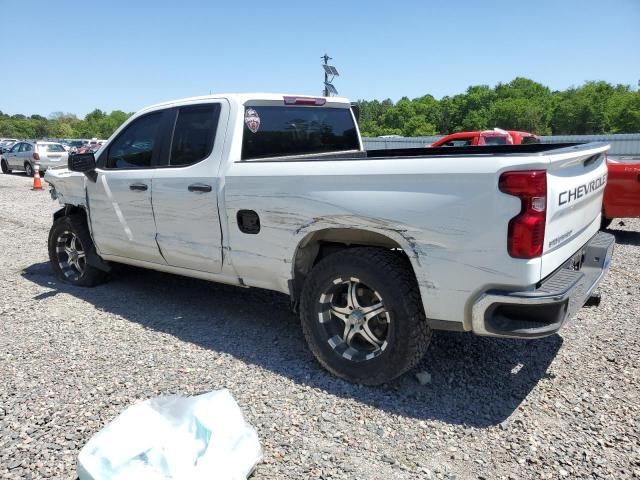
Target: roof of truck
242 98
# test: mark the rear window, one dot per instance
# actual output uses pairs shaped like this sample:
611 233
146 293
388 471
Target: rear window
51 148
495 140
280 131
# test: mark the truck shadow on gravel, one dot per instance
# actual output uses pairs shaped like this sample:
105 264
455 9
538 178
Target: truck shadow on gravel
625 237
476 381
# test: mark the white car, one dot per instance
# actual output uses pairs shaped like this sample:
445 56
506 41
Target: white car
23 156
376 252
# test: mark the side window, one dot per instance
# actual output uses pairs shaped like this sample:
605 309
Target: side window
134 147
16 148
26 147
460 142
194 134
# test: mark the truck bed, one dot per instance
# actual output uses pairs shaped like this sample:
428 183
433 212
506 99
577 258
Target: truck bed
528 149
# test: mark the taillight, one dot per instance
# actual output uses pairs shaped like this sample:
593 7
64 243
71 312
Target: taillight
315 101
36 156
526 230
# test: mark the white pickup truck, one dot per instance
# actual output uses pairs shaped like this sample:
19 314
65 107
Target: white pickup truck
376 248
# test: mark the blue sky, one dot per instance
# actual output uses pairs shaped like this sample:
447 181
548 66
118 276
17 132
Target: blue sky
74 56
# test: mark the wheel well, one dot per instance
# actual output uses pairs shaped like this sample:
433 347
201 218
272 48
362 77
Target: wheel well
323 243
70 210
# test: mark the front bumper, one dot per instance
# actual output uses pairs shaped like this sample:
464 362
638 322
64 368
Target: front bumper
544 310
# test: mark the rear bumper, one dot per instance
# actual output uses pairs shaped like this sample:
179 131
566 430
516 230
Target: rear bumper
544 310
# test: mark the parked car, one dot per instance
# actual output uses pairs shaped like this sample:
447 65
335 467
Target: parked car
496 136
76 144
622 194
24 155
6 144
83 149
376 249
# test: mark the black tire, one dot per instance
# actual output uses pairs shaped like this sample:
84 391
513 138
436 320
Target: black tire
5 166
28 169
388 275
605 222
81 273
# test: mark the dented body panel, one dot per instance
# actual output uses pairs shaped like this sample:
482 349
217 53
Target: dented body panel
445 212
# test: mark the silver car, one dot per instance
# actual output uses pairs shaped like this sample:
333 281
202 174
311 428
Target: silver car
24 155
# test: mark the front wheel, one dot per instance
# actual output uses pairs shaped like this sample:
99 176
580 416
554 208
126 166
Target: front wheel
5 166
69 246
362 315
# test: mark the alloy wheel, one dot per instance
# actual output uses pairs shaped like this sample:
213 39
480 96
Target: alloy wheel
354 319
71 255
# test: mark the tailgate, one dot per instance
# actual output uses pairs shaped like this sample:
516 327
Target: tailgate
576 178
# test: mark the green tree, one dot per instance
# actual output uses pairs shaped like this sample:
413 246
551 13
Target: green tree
521 104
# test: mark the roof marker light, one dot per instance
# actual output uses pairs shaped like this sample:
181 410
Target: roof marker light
313 101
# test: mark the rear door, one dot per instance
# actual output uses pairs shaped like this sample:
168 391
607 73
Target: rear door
622 195
26 155
186 186
120 199
576 178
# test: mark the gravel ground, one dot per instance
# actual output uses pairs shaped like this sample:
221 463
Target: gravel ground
72 359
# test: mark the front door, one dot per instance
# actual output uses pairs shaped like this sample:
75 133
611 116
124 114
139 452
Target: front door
185 189
13 156
120 199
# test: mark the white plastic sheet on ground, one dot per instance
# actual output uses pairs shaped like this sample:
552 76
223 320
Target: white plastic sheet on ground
174 438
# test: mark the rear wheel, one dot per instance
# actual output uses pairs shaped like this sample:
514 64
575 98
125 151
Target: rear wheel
5 166
69 246
362 315
28 169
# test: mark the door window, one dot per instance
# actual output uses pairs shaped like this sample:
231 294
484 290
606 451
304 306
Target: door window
135 146
194 134
26 147
15 148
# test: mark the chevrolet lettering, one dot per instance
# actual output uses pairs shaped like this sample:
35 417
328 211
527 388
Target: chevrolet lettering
579 192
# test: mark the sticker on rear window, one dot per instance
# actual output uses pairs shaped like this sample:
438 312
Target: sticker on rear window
252 120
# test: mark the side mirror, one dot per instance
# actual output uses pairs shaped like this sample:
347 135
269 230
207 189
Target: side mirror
82 162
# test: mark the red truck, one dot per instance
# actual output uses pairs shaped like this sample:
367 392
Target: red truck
496 136
622 193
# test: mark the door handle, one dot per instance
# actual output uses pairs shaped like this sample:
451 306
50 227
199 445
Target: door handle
199 187
139 187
